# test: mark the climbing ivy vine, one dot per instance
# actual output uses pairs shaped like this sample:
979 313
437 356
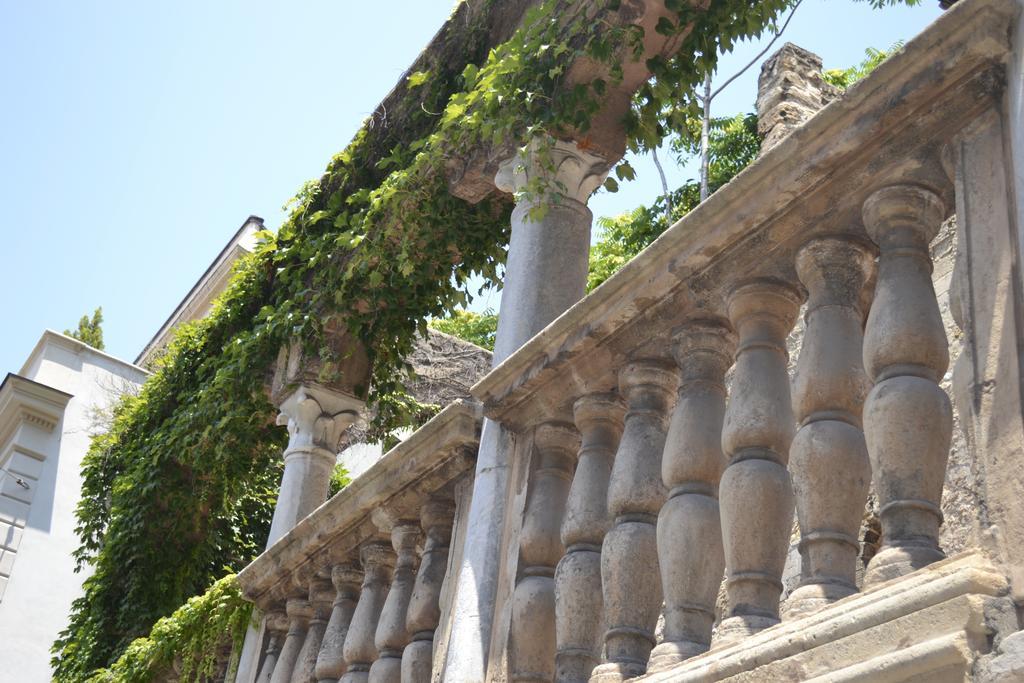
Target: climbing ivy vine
180 490
201 636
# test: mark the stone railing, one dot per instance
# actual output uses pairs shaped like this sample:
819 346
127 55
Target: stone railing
661 444
356 590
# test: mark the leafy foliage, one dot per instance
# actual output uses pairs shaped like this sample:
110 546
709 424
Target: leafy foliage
90 330
196 632
339 479
733 144
476 328
182 487
844 78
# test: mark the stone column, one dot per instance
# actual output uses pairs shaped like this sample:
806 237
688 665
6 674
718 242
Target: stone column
277 627
756 495
689 527
299 612
829 462
532 634
553 250
330 663
629 555
424 612
392 636
317 419
908 420
321 594
360 649
579 608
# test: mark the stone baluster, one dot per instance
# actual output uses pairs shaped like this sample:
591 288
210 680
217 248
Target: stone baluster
299 612
330 663
424 612
276 626
360 649
579 607
392 635
321 594
756 497
689 527
907 416
630 582
532 634
316 420
829 462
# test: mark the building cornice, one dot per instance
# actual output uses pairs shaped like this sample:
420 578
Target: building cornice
25 400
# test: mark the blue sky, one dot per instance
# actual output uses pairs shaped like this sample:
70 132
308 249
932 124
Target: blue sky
135 137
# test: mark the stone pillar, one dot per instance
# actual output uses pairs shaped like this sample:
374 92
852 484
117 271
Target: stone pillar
424 612
689 527
629 556
392 636
299 612
908 420
987 304
790 90
553 250
829 462
532 634
317 419
330 663
579 607
321 594
277 626
360 649
756 495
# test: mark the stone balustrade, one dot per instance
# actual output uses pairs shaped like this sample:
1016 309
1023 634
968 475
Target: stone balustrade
699 443
352 586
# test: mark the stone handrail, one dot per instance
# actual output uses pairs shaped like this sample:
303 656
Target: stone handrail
885 129
644 475
339 588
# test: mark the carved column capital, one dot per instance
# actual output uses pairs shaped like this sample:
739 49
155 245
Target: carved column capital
317 418
575 172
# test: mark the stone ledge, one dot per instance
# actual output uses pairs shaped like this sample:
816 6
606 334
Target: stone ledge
936 621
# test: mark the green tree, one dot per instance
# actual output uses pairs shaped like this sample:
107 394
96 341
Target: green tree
90 331
339 479
844 78
733 144
476 328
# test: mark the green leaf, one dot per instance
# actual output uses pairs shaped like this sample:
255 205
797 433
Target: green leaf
417 78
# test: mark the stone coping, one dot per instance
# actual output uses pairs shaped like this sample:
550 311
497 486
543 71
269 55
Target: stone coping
427 464
941 616
891 127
